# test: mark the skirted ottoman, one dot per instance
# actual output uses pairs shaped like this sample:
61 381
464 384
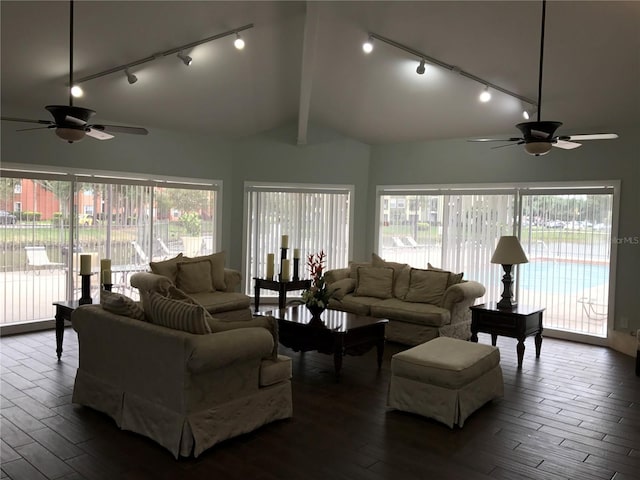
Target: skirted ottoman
445 379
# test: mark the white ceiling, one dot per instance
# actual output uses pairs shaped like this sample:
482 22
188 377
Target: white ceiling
310 55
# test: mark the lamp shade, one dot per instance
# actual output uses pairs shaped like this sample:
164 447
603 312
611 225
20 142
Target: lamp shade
509 252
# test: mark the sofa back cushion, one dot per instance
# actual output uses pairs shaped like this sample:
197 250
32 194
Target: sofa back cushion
121 305
426 286
178 315
375 282
195 276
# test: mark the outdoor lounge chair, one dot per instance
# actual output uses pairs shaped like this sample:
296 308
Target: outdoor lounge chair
38 259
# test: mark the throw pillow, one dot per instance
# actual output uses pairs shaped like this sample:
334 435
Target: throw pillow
400 274
353 273
121 305
268 322
217 269
426 286
178 315
340 288
375 282
195 276
454 278
167 268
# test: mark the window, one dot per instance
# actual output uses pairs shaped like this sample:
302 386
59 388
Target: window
316 217
127 220
565 231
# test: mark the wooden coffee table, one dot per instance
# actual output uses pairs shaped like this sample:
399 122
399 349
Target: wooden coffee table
337 333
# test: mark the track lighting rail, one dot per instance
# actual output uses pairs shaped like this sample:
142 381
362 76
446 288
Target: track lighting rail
451 68
165 53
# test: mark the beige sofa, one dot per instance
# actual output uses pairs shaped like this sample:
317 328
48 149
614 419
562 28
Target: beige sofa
184 390
419 304
205 279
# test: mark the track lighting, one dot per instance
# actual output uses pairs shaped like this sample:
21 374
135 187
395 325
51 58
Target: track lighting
485 96
77 91
238 42
367 47
131 78
186 59
421 68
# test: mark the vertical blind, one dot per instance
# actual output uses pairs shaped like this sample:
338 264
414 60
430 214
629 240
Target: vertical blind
315 218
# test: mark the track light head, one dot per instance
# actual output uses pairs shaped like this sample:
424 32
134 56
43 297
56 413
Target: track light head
186 59
421 68
131 78
528 111
485 96
238 42
367 47
77 91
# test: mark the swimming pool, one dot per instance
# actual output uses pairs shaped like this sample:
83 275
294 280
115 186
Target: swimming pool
562 276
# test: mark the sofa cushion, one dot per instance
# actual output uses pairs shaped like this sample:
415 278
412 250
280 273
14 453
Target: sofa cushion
400 274
419 313
178 315
121 305
426 286
374 282
454 278
353 304
195 276
217 269
167 268
267 321
216 302
340 288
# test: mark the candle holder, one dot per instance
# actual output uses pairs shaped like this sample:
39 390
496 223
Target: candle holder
107 286
296 269
283 256
86 289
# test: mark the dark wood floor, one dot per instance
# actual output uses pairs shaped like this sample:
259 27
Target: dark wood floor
574 413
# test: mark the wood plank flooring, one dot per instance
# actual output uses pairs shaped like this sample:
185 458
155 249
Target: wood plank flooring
572 414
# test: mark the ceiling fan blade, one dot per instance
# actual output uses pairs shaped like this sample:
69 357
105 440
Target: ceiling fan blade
121 129
513 139
508 145
34 128
566 145
98 134
592 136
41 122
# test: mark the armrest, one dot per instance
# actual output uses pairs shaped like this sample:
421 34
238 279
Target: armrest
462 293
232 279
212 351
337 274
150 282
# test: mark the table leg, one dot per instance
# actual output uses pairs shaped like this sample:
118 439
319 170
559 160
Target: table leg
494 339
520 350
256 296
380 349
538 344
474 335
59 332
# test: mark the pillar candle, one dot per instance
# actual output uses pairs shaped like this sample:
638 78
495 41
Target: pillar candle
105 264
296 253
270 265
285 270
85 264
106 277
284 243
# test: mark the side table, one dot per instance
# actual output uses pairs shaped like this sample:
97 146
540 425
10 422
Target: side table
281 287
519 323
63 312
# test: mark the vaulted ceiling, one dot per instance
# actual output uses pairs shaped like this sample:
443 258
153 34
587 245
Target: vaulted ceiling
303 62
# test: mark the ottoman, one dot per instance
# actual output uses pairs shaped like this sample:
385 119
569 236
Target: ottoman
446 379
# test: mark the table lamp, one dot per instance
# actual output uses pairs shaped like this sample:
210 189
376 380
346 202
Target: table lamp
508 253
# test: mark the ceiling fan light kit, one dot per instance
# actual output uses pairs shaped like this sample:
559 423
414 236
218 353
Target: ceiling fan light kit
367 47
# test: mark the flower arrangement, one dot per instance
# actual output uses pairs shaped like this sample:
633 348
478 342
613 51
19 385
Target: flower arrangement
317 296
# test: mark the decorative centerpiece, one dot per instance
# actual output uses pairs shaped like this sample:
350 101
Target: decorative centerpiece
316 298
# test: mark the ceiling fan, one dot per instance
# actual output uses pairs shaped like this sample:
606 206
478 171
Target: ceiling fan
72 123
538 137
